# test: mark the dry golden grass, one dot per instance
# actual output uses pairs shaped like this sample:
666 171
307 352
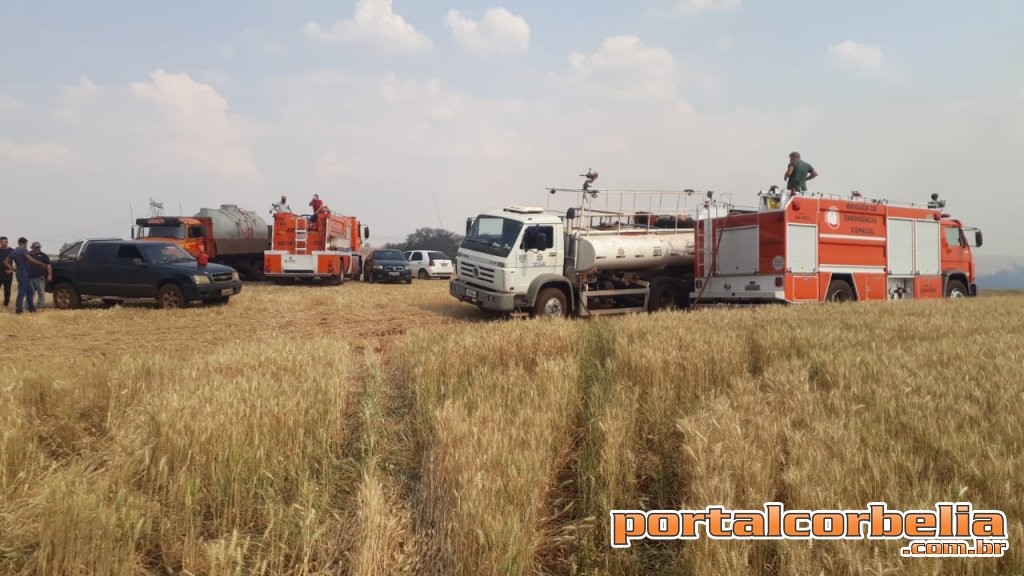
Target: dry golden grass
389 430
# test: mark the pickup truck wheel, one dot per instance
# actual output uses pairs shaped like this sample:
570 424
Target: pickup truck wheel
170 297
550 304
956 289
66 297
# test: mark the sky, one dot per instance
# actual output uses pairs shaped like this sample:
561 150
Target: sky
410 114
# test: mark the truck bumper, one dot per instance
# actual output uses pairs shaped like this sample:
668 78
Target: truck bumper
486 299
206 292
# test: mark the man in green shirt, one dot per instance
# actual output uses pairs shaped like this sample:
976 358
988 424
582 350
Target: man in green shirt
798 173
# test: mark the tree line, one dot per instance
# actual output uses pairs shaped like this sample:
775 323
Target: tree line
430 239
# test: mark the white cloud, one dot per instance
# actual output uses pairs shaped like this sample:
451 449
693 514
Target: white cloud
697 6
374 24
40 155
626 67
866 58
498 32
10 104
74 97
202 132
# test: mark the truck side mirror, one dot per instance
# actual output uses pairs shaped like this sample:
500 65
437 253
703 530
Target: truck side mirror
469 225
366 232
978 240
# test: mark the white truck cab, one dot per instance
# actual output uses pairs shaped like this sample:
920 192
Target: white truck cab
505 254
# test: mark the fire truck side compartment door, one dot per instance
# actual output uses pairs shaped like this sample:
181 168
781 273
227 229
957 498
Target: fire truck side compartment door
901 247
738 251
927 257
802 249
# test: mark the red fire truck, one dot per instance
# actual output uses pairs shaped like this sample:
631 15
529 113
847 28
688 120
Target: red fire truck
811 248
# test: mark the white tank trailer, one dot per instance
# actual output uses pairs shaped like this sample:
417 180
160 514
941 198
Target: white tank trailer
240 236
237 231
644 252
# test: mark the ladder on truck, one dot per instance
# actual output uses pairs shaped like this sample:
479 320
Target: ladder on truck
301 236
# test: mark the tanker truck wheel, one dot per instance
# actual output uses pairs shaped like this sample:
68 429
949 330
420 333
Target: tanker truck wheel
665 295
550 304
255 271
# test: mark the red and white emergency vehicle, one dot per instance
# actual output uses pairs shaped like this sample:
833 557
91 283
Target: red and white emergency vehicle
811 248
324 247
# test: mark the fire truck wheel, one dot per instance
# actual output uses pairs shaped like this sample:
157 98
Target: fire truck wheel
956 289
170 297
550 304
839 291
66 297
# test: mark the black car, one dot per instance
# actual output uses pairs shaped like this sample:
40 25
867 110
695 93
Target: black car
119 270
387 266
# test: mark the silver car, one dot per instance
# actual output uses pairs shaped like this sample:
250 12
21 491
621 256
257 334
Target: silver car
429 264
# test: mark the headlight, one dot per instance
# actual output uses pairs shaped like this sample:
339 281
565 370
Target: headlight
201 279
234 275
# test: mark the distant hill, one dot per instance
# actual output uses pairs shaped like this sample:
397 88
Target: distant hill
1000 272
1009 279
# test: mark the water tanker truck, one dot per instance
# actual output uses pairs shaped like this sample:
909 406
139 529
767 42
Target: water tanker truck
613 252
229 235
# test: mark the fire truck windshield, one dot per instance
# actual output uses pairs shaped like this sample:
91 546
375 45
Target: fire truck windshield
493 235
177 232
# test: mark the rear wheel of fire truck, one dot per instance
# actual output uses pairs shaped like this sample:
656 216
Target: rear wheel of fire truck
839 291
956 289
665 295
550 304
65 297
423 274
170 297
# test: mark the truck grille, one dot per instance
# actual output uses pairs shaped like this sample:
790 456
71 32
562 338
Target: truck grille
394 268
474 271
221 277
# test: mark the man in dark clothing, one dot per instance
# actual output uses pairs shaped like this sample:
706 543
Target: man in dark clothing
6 276
798 173
40 274
20 261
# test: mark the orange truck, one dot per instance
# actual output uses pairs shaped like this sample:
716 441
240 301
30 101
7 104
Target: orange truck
229 235
814 248
322 248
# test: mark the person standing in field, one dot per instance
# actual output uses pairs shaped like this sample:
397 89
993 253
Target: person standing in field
20 261
798 173
6 276
40 274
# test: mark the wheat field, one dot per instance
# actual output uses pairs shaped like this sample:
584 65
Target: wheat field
368 429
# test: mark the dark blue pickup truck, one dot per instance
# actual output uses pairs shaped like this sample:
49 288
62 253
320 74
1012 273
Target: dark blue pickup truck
118 270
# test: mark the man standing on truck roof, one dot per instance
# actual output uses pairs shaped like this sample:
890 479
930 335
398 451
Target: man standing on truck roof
40 274
798 173
281 207
6 276
21 262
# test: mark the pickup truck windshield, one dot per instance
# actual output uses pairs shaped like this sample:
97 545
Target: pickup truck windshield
164 253
493 235
162 232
